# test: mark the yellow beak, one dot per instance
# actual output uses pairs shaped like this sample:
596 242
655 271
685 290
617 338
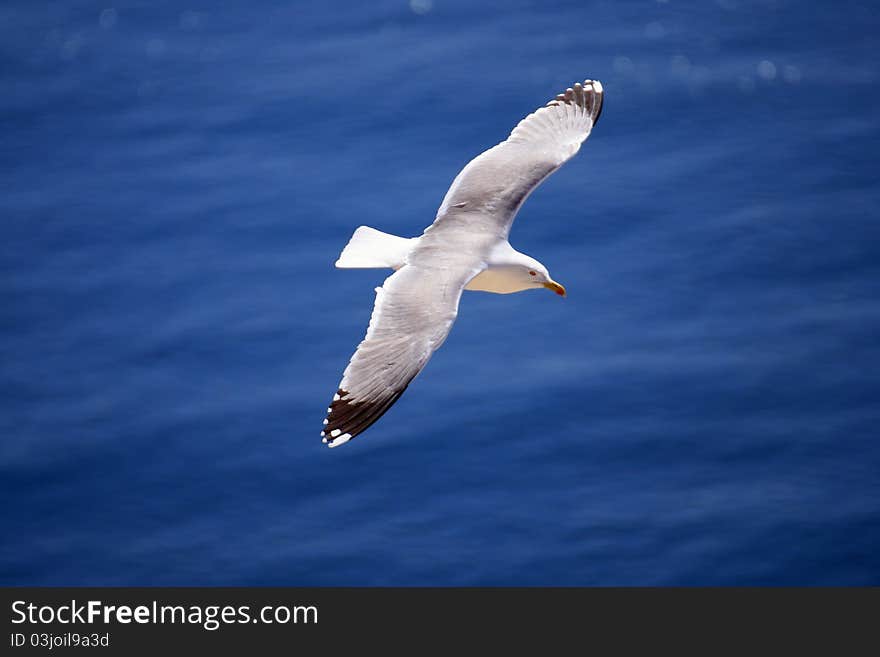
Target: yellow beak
556 287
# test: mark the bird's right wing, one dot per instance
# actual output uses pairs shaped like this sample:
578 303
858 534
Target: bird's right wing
489 191
414 311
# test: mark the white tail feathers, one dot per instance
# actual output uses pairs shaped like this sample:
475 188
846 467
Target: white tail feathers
371 248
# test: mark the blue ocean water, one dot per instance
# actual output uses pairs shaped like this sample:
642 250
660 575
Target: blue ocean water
178 178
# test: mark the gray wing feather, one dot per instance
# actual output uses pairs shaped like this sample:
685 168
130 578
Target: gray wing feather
413 313
493 186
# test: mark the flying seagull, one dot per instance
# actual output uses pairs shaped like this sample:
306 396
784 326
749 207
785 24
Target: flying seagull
466 248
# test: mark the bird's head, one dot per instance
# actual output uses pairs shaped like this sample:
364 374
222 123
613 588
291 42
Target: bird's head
534 274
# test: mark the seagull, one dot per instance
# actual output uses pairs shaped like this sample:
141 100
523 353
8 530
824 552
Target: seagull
466 248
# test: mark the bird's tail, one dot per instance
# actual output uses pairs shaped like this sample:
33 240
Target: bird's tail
371 248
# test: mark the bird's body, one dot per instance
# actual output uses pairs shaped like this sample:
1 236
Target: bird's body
465 248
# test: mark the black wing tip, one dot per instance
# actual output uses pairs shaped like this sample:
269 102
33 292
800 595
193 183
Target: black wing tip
347 418
333 435
590 95
598 98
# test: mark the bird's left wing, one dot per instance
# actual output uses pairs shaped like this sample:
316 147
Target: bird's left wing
414 311
489 191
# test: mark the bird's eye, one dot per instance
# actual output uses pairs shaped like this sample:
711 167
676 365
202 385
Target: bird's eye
531 273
